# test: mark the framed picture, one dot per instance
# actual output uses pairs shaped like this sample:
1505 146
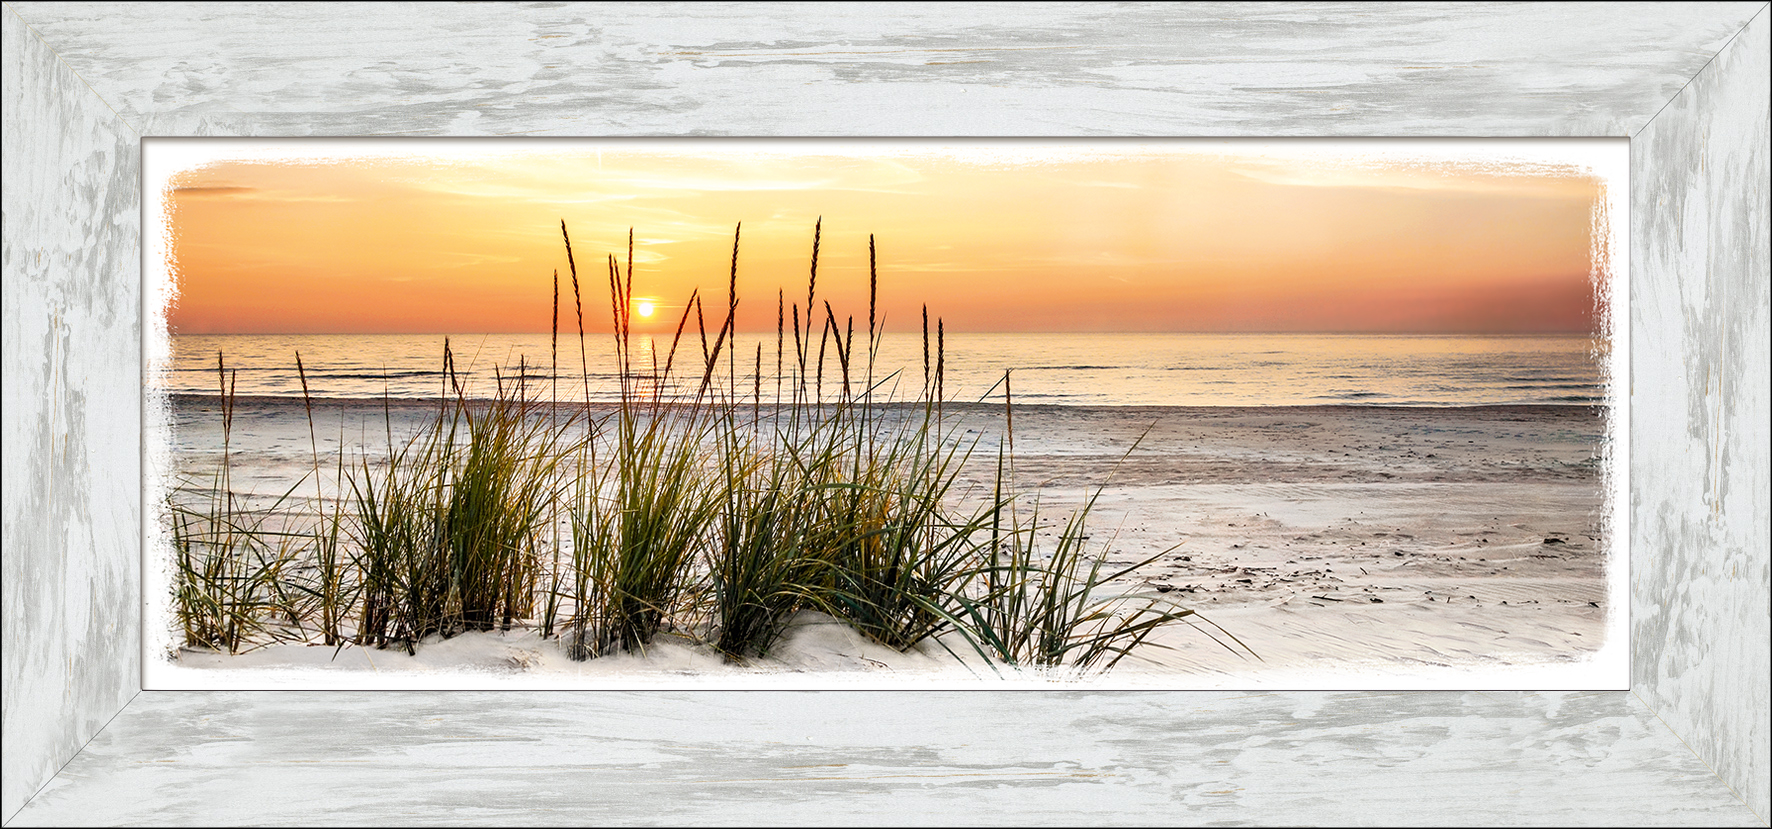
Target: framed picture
1176 414
84 84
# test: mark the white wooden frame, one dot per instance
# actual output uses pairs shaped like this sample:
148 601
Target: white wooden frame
1687 84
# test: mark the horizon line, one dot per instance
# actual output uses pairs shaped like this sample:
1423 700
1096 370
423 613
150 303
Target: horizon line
566 335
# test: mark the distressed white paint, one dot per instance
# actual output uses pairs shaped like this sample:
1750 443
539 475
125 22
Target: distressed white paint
888 68
1062 69
1703 302
72 395
589 759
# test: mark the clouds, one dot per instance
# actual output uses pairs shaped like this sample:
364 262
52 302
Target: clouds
213 190
994 235
241 193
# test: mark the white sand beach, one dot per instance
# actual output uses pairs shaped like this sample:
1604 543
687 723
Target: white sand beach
1366 544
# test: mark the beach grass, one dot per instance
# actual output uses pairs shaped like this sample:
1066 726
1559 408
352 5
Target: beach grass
695 506
233 585
449 529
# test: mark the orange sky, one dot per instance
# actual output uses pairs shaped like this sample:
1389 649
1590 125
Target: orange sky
1097 240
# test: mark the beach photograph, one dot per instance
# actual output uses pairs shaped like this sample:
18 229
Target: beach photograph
742 413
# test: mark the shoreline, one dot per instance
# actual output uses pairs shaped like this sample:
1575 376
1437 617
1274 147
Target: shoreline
1396 536
296 401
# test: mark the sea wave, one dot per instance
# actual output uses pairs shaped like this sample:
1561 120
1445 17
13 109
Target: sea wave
1065 369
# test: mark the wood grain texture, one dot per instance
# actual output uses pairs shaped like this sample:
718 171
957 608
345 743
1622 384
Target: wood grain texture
1700 404
241 758
71 421
72 393
290 69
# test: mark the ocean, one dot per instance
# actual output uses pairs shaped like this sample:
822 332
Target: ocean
1324 487
1057 369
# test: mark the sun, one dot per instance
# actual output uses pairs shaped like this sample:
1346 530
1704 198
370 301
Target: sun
644 308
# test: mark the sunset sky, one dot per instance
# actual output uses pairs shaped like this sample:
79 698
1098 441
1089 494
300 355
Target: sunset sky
1102 237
